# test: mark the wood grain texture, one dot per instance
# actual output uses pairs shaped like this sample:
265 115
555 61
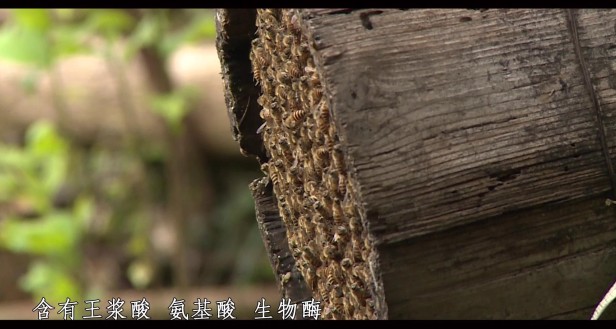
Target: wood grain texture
528 265
475 147
274 235
235 32
452 119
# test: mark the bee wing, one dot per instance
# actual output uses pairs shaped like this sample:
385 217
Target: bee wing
260 130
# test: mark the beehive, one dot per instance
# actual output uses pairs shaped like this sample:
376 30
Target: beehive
434 163
307 169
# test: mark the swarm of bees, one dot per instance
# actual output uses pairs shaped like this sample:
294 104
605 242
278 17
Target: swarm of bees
307 170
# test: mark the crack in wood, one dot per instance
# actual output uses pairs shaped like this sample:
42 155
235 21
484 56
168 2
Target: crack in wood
573 30
365 18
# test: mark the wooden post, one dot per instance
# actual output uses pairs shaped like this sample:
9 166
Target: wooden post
477 148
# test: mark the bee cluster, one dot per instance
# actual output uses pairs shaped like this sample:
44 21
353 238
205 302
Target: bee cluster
307 170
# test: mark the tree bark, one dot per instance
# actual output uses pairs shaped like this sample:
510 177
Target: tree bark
481 144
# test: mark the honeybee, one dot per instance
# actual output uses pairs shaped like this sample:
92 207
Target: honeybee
263 77
294 180
294 26
348 306
359 271
295 86
320 155
336 271
279 40
295 201
313 80
268 19
294 118
288 40
346 263
341 235
256 74
337 158
309 257
320 208
318 219
342 189
330 280
281 91
299 51
358 295
298 115
329 252
293 70
265 167
337 213
310 69
274 178
265 114
310 187
286 277
304 145
367 244
257 55
322 230
356 250
331 179
323 125
331 131
355 225
347 201
299 234
303 97
323 117
283 78
309 276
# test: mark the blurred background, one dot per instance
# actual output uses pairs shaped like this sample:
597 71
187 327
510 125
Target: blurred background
118 173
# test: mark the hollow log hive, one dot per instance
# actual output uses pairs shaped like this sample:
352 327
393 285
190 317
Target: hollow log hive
430 163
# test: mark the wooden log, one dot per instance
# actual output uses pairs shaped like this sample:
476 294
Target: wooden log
273 232
476 146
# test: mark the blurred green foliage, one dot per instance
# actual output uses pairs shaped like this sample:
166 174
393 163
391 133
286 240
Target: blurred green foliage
32 174
174 106
116 189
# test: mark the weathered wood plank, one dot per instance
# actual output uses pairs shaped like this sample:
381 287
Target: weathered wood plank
597 35
236 30
475 142
274 235
460 117
527 265
476 150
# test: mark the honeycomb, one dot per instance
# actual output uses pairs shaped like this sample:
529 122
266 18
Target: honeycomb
307 170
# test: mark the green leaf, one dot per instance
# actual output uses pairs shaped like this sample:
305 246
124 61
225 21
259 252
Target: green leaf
148 31
26 46
69 40
65 13
34 19
201 28
198 28
13 158
50 151
55 283
111 23
43 140
82 210
55 234
173 107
